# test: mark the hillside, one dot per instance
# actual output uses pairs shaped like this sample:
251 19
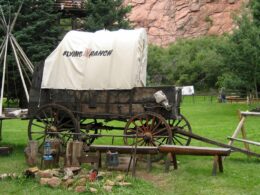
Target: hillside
167 20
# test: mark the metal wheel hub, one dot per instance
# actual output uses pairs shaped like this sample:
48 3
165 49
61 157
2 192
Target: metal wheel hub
52 129
148 137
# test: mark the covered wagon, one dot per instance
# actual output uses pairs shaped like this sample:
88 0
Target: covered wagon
93 78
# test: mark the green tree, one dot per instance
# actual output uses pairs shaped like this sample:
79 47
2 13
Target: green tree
106 14
36 31
243 55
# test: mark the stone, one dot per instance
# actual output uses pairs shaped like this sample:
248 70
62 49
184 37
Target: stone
195 7
167 20
44 181
93 190
231 1
109 183
108 188
45 174
82 182
124 183
120 178
68 183
54 182
80 189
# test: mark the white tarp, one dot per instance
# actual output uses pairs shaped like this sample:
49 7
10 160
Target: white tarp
100 60
188 90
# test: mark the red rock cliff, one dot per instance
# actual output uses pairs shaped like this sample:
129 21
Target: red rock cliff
167 20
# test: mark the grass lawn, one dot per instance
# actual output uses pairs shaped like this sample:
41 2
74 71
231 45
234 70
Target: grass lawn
210 119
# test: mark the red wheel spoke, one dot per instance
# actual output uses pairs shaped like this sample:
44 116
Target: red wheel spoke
141 121
160 131
153 121
137 127
146 121
157 125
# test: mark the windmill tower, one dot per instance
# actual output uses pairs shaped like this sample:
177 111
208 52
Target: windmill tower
22 61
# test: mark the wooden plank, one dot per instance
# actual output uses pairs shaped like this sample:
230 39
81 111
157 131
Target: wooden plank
124 149
193 150
247 113
5 150
216 143
245 141
238 129
243 131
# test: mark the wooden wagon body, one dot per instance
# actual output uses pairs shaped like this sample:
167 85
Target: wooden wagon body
105 104
68 114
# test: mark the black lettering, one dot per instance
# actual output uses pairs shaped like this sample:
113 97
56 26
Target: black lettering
100 53
105 53
109 52
96 53
64 53
92 53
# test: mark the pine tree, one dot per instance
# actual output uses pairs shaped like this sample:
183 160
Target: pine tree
36 31
106 14
255 8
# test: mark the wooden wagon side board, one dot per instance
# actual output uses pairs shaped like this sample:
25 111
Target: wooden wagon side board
104 103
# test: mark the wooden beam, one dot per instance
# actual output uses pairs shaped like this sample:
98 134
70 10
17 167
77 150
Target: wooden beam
245 141
216 143
238 129
247 113
123 149
193 150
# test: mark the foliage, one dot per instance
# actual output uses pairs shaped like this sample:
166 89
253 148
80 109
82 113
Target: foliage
188 62
209 119
106 14
36 31
242 56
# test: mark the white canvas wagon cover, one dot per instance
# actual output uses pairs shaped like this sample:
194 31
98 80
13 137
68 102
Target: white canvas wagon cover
100 60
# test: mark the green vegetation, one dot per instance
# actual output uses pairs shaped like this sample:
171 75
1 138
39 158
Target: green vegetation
212 120
196 62
36 31
230 61
105 14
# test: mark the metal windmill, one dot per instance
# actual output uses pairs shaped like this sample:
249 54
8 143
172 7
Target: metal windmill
22 61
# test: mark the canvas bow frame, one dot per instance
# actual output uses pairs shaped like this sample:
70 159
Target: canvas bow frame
22 61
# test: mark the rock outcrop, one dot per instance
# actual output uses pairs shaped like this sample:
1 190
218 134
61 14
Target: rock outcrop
168 20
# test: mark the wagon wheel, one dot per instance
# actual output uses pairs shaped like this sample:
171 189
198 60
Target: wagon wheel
183 124
152 129
88 126
53 121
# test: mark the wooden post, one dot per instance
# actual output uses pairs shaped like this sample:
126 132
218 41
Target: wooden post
68 154
31 152
149 163
220 165
243 131
73 153
215 166
174 161
76 152
55 151
236 132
